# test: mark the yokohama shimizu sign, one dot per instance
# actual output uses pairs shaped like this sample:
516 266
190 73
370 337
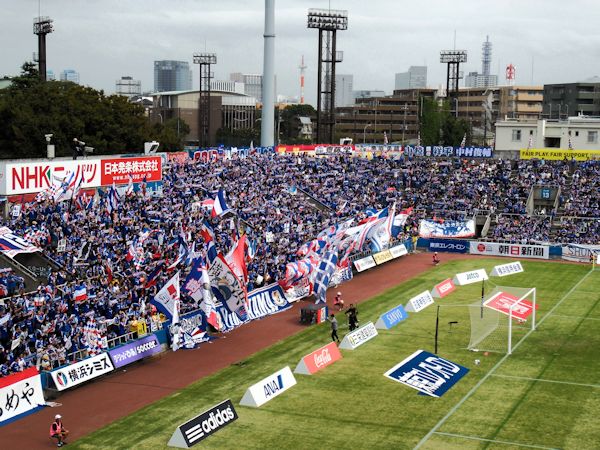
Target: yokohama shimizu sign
203 425
319 359
511 250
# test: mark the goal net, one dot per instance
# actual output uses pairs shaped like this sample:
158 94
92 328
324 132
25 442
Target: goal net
502 318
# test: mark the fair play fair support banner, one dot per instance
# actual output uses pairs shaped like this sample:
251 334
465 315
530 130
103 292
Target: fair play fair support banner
503 270
82 371
419 302
511 250
427 373
358 337
268 388
447 229
20 393
473 276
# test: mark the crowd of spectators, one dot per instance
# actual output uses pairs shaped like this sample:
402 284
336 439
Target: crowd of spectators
266 193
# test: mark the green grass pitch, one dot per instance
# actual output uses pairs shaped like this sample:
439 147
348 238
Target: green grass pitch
545 395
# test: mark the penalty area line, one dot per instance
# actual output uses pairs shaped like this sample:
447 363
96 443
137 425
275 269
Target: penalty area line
496 441
571 383
498 364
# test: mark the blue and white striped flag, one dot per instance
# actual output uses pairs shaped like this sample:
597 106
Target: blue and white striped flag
324 272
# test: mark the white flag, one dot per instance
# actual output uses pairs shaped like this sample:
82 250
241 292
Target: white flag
165 299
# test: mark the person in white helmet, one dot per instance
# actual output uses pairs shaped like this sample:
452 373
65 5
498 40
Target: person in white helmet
58 431
436 260
338 302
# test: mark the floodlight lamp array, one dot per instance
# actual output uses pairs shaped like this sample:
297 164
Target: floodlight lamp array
327 19
205 58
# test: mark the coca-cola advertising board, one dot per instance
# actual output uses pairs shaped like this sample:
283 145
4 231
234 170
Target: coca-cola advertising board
319 359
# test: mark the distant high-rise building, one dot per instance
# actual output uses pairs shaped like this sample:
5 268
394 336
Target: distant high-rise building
483 79
571 99
69 75
415 78
128 87
227 86
50 75
172 76
252 84
367 94
343 90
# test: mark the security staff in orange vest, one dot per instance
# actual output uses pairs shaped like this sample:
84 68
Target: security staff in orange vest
58 431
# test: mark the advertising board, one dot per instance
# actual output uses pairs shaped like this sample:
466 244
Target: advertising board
513 250
134 351
319 359
358 337
20 393
68 376
391 318
268 388
419 302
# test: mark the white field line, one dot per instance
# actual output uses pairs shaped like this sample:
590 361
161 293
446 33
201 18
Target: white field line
496 366
576 317
572 383
476 438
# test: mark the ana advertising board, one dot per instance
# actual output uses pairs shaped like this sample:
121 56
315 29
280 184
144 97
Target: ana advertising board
319 359
391 318
448 245
20 393
473 276
358 337
513 250
268 388
68 376
419 302
503 270
442 289
503 301
427 373
36 176
364 263
203 425
134 351
117 170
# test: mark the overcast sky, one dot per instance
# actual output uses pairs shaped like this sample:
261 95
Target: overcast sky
106 39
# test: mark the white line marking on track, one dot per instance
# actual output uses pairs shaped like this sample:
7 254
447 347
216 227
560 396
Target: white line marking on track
476 438
498 364
597 386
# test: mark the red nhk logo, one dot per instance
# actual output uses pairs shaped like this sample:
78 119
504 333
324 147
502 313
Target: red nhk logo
30 178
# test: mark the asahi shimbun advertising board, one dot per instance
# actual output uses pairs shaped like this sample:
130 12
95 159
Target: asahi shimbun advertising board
38 175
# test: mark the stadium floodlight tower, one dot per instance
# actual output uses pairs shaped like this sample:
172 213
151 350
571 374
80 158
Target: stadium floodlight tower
328 22
452 58
204 61
42 26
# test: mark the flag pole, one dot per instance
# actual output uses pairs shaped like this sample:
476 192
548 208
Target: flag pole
437 326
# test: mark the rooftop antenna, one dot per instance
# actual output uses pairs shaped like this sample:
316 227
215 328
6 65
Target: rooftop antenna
454 40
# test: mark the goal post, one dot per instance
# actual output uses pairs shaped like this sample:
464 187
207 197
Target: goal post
503 315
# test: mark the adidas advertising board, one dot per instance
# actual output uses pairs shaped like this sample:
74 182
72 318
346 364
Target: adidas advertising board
464 278
358 337
391 318
268 388
507 269
419 302
427 373
203 425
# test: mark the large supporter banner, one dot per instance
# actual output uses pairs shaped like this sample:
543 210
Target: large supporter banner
134 351
445 152
117 170
262 302
513 250
448 245
82 371
427 373
558 154
20 393
11 244
178 157
447 229
315 149
23 178
579 252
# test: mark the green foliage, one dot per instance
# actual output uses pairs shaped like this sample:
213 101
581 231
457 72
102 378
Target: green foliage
431 122
440 127
30 108
238 138
290 123
370 411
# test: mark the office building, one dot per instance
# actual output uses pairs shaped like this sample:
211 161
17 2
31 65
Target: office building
50 76
227 86
128 87
415 78
343 90
69 75
367 94
172 76
252 84
571 99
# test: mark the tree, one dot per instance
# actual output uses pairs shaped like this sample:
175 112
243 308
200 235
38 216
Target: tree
439 126
290 126
31 108
431 122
